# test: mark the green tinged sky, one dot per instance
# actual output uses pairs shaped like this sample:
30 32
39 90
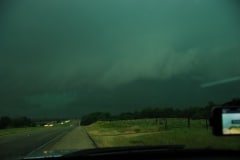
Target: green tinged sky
68 58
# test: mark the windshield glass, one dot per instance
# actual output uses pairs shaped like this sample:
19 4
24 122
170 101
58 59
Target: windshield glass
87 74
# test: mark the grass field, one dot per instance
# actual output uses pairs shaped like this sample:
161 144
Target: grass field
32 129
152 132
19 130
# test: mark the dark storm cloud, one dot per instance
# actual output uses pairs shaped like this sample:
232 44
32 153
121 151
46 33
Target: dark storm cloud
79 53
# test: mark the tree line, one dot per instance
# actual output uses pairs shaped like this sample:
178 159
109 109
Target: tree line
169 112
7 122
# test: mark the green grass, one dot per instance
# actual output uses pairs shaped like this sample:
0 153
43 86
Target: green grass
139 126
19 130
9 131
149 132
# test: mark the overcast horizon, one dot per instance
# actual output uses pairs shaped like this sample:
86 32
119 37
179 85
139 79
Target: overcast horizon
69 58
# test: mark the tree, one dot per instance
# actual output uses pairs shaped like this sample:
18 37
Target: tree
22 122
233 102
94 117
5 122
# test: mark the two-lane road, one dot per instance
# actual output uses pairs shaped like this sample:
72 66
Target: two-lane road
14 146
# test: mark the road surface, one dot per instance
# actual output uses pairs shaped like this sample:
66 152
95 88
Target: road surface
15 146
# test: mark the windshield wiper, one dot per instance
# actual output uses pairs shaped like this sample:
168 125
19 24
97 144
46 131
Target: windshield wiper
123 150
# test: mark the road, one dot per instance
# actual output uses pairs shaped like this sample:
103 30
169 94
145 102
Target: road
75 140
14 146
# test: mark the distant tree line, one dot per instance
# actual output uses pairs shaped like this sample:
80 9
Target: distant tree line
7 122
190 113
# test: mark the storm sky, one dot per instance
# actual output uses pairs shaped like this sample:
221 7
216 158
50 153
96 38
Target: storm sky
68 58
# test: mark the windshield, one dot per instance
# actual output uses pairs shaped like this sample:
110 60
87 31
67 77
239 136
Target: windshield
86 74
